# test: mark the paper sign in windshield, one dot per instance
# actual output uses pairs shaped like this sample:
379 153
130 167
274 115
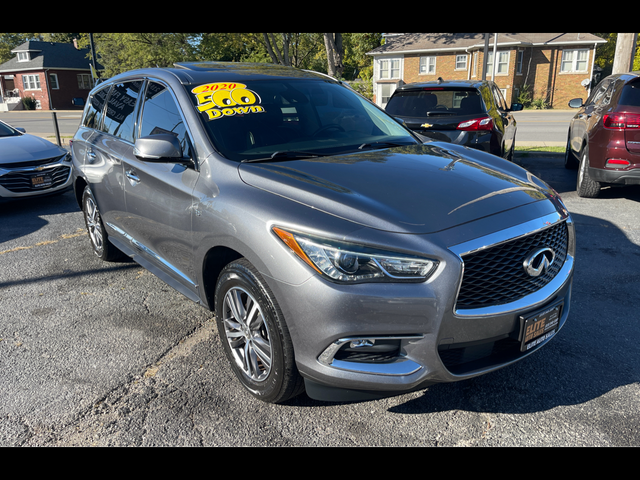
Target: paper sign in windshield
220 100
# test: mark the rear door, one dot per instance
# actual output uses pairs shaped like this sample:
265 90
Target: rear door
100 155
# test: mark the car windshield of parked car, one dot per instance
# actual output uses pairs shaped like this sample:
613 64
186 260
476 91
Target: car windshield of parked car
293 118
7 131
435 101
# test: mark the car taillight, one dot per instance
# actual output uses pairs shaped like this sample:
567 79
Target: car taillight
484 123
622 120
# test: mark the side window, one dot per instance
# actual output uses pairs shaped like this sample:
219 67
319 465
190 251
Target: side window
95 106
119 117
160 114
500 102
598 93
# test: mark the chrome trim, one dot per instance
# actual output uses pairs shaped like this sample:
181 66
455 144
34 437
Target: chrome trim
151 253
400 366
525 229
508 234
58 162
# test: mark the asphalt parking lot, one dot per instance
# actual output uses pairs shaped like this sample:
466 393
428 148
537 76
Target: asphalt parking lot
97 354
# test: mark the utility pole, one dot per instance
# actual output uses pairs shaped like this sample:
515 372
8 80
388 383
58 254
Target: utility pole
625 51
486 52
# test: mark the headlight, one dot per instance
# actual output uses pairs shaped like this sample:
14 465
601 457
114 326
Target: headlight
351 263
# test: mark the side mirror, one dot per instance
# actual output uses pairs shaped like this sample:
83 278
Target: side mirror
163 148
516 107
576 103
20 129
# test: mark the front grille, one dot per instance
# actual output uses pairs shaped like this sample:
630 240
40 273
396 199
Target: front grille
21 181
495 275
30 163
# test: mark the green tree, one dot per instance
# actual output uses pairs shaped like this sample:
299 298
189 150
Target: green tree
9 41
606 53
119 52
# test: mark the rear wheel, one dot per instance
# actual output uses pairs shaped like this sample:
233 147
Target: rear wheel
102 247
254 335
586 187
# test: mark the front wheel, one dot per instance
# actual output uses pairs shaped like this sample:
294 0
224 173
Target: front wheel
254 335
586 186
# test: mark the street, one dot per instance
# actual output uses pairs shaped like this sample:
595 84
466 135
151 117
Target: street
98 354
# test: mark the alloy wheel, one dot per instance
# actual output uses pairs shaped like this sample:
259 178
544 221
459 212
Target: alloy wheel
94 226
247 334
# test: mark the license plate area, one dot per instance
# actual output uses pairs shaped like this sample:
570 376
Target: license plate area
41 181
540 326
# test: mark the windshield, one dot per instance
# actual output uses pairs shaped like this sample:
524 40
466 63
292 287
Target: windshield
7 131
293 118
434 101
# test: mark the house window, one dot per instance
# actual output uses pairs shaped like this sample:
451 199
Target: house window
31 82
574 61
519 61
389 68
427 65
461 62
385 90
23 56
503 63
53 81
84 81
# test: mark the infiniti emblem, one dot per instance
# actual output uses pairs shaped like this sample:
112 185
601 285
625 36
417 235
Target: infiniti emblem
538 261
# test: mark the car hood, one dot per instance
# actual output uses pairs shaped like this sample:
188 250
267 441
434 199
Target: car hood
24 148
415 189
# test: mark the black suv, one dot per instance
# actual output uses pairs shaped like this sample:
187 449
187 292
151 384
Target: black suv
470 113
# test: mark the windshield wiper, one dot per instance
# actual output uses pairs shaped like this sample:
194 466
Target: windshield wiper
283 155
383 144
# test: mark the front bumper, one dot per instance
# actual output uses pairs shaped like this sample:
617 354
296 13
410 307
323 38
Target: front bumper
387 339
36 178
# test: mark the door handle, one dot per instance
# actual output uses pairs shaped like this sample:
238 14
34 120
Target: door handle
91 156
133 178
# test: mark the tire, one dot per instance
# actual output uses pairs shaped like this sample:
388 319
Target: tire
586 187
100 243
254 335
570 160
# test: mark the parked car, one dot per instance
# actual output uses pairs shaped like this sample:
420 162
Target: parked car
604 136
470 113
339 253
30 165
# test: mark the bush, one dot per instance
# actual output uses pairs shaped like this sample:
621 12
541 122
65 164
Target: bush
29 103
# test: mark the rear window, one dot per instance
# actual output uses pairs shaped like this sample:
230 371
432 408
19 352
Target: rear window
422 103
631 94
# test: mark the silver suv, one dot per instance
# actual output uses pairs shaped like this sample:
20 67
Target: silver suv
338 252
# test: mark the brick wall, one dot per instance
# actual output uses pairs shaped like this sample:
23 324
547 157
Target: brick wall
68 88
38 93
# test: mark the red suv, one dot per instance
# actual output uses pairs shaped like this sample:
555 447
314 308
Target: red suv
604 136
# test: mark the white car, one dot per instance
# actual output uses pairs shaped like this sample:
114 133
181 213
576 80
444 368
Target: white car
31 165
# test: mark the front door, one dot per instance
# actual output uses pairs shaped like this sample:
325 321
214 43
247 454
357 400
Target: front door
159 195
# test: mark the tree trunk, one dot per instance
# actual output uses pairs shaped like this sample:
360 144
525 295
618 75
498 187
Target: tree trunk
333 44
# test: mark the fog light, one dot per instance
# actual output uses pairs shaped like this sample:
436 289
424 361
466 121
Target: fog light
617 163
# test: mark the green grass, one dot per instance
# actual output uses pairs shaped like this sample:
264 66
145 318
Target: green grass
540 149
